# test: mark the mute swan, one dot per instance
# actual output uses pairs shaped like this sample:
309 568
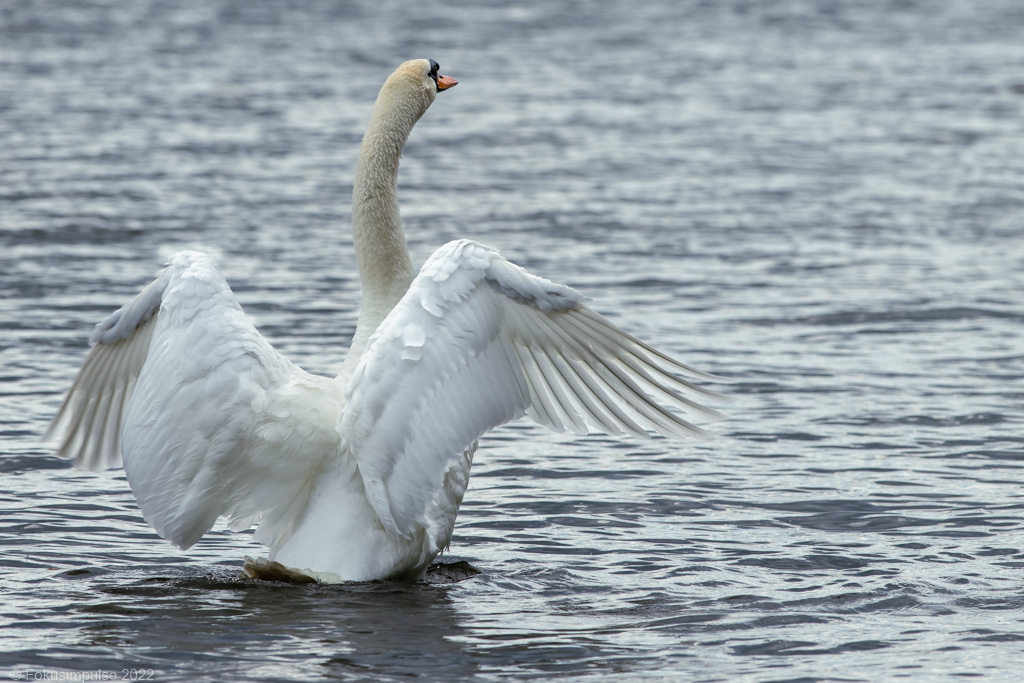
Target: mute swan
360 476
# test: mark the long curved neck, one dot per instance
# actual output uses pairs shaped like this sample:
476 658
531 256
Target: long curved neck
385 267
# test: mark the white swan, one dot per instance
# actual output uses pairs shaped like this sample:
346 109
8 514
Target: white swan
361 476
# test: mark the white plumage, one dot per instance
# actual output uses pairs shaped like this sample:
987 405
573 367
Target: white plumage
360 476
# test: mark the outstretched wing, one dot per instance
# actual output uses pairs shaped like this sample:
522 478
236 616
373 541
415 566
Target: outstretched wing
476 342
210 420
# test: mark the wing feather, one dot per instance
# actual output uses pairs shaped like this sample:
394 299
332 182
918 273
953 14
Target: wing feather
478 341
92 415
208 418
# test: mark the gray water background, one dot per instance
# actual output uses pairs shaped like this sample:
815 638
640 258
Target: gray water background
822 200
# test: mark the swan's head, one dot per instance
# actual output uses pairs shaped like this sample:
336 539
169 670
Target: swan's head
417 81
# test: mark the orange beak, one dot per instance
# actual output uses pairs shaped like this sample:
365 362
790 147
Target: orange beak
445 82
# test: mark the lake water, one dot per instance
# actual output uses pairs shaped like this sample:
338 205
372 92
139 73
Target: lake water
821 200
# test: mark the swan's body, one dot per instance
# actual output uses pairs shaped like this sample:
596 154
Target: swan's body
359 476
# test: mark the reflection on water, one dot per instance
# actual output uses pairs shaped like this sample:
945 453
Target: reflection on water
822 202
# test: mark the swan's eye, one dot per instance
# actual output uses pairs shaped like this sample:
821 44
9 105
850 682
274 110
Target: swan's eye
433 69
